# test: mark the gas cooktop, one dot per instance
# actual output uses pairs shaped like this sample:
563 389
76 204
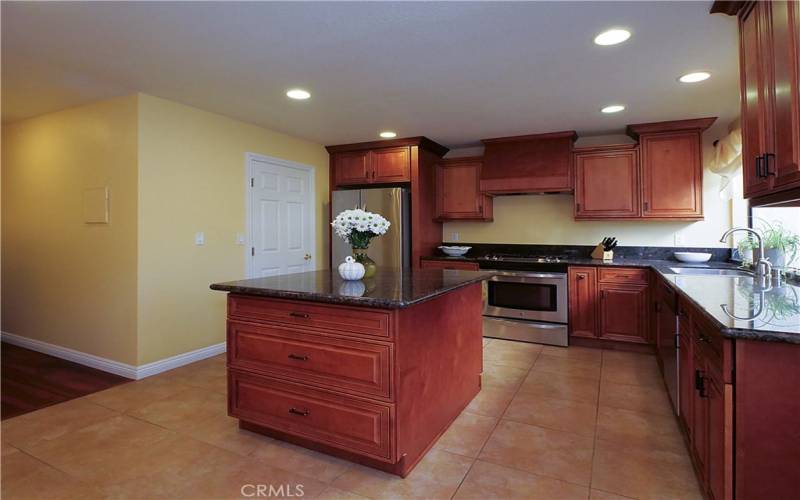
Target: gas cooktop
523 262
524 258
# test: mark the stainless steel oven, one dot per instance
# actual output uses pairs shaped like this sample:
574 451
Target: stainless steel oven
527 306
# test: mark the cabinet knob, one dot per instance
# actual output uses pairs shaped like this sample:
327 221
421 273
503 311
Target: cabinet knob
302 413
581 276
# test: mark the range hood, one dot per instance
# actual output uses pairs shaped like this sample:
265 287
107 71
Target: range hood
527 164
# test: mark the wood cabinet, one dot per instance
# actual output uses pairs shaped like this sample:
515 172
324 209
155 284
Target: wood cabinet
540 163
685 370
609 303
582 288
378 166
607 182
410 162
458 195
769 65
346 380
672 175
449 264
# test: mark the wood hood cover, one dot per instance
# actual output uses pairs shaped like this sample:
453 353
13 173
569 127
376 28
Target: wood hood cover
539 163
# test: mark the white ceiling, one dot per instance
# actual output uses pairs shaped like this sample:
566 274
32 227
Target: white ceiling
455 72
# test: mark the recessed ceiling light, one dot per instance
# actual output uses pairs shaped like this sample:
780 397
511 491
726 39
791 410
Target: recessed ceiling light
298 94
698 76
614 108
612 37
388 134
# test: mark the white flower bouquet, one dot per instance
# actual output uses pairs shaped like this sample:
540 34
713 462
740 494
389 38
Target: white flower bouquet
357 227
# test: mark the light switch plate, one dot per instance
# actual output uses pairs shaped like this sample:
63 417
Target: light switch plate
95 205
199 238
239 239
455 236
678 239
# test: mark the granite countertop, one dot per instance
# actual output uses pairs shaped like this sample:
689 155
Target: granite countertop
388 289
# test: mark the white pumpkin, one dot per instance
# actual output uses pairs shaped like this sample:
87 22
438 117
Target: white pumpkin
351 270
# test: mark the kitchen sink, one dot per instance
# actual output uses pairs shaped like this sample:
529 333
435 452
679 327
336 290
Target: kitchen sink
704 271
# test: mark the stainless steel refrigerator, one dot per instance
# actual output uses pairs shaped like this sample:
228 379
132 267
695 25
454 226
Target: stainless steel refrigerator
392 249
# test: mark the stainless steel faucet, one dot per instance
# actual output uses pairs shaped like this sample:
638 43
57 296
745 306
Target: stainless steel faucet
763 266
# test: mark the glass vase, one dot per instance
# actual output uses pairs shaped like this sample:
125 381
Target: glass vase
360 254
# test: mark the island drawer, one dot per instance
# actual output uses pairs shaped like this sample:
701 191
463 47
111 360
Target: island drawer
347 423
623 274
356 321
329 362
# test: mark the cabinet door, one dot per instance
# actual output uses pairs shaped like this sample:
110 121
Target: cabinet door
351 168
623 312
720 438
756 123
785 166
700 415
607 184
458 193
391 165
686 375
672 175
582 290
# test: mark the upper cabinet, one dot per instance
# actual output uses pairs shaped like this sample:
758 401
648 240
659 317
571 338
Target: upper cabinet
769 65
458 195
607 182
382 166
528 164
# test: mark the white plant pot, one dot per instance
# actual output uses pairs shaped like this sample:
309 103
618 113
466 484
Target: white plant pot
350 270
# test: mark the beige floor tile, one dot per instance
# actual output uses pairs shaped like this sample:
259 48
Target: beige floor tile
7 449
189 407
133 395
604 495
24 477
640 473
113 450
53 422
467 434
331 493
486 341
486 480
573 352
634 397
223 431
515 354
642 430
301 461
562 455
436 476
490 402
208 374
502 377
611 357
561 365
579 389
559 414
644 374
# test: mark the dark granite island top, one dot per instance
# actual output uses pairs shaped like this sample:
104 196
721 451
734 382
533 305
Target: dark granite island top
388 289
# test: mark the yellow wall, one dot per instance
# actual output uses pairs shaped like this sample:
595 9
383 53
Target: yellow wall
63 281
548 219
191 178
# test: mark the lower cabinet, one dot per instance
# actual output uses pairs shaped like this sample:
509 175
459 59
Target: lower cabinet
609 303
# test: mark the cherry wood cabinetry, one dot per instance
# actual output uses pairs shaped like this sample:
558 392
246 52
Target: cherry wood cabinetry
449 264
609 303
607 182
539 163
672 175
346 380
458 195
582 288
769 65
410 162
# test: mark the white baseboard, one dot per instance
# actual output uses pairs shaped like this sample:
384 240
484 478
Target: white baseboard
111 366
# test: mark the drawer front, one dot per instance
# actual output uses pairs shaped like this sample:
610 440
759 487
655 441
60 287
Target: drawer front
623 275
350 424
708 339
339 364
300 314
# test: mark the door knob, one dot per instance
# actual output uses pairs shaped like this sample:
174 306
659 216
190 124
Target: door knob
307 257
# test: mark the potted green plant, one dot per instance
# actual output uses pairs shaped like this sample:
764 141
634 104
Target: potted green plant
780 244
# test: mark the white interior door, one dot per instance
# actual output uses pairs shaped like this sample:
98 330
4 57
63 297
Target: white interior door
281 217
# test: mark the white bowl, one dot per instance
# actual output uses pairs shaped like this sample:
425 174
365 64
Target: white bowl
692 256
454 251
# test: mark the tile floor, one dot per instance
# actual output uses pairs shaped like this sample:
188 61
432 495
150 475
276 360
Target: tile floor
550 423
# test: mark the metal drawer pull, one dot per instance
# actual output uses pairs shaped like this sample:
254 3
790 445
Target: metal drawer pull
299 315
298 357
295 411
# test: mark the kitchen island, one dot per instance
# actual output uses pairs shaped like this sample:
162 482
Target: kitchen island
373 371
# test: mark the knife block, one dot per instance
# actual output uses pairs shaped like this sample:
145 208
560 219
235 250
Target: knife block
599 254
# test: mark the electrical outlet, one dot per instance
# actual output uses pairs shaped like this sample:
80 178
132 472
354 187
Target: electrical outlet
678 239
454 236
199 238
239 239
